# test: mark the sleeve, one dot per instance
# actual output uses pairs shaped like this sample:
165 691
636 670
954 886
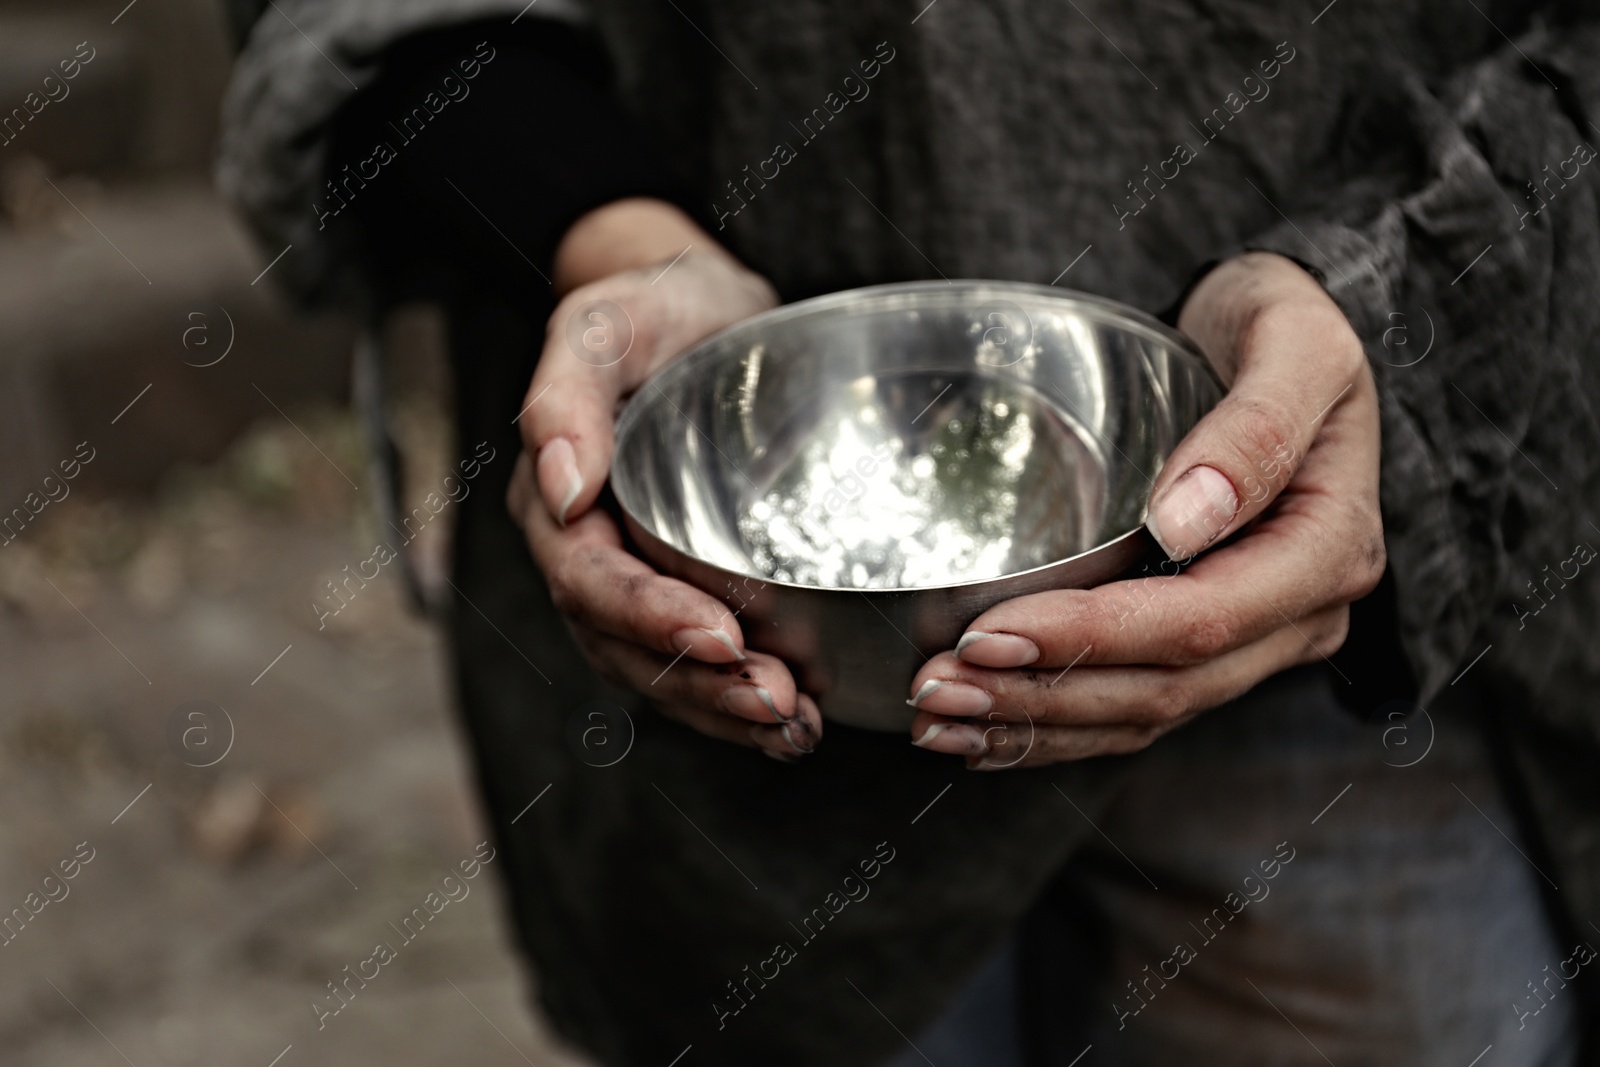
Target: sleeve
302 60
482 192
1459 232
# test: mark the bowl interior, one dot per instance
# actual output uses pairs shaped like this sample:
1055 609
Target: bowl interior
909 436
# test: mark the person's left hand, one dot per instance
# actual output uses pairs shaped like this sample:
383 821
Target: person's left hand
1086 672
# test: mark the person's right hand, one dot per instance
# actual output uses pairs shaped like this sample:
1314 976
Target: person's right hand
680 647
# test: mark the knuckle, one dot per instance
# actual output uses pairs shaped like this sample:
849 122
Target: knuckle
1366 560
1375 560
1292 321
1362 579
1336 631
1008 741
1208 635
1056 746
566 580
1089 615
635 587
1263 433
562 594
1264 325
1065 617
1169 702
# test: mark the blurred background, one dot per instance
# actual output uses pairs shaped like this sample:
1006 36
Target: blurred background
261 799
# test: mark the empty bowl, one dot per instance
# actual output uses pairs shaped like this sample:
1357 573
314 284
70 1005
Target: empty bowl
860 475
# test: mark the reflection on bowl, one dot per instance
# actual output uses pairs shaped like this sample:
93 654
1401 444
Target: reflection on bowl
862 474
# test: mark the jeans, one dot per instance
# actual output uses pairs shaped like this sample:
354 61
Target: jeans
1400 921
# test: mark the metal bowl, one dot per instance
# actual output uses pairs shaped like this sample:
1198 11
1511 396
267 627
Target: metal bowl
861 475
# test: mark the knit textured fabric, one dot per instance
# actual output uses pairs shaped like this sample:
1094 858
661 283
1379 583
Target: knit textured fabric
1434 164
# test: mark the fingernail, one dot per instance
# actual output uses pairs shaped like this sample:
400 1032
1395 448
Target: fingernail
1192 512
751 702
707 645
558 474
929 687
996 650
952 739
772 708
789 731
780 756
725 639
954 698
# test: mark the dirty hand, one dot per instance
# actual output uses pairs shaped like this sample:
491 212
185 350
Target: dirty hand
1291 453
642 283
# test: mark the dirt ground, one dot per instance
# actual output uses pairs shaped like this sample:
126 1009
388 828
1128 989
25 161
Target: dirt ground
244 804
241 852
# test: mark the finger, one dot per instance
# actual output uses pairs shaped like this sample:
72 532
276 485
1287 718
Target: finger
1110 710
1297 363
1221 603
594 581
981 736
792 740
1118 695
602 342
1323 545
995 746
1056 744
758 690
953 737
568 411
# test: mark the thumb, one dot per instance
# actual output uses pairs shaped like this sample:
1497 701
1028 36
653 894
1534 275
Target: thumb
1242 454
568 414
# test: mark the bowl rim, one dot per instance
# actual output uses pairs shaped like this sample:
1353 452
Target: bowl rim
1105 307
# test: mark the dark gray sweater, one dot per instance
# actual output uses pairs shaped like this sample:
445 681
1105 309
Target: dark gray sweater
1434 160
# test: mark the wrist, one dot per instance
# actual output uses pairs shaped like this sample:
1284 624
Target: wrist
624 235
